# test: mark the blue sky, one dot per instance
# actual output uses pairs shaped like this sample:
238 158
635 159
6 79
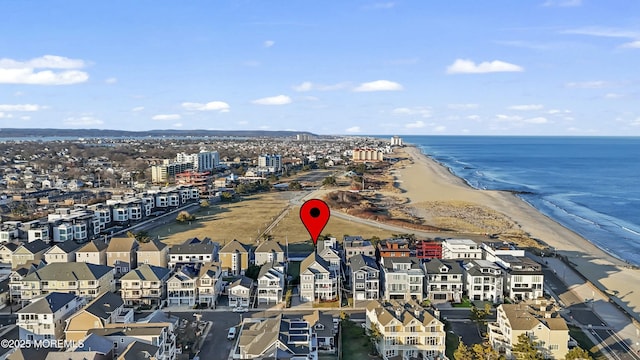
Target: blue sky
546 67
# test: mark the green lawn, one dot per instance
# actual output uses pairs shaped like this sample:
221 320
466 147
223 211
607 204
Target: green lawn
464 304
355 344
585 343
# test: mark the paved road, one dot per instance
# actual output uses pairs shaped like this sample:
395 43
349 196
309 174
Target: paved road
314 175
12 334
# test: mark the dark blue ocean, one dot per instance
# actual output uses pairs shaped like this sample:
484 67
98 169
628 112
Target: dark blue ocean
591 185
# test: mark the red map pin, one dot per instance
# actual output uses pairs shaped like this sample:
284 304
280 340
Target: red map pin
314 214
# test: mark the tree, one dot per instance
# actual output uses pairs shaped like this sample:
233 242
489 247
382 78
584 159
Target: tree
578 353
480 315
486 352
184 216
329 181
141 236
525 349
226 196
374 336
463 352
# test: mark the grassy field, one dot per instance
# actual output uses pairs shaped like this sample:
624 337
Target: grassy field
245 220
291 227
585 343
355 344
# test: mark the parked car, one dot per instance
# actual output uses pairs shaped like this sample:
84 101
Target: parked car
240 309
231 334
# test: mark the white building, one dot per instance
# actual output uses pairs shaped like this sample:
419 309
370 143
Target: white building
461 249
396 141
483 281
44 318
202 161
240 292
403 278
444 280
524 278
272 162
271 284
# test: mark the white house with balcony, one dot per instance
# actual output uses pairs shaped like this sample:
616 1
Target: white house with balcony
445 280
461 249
317 281
403 278
181 287
241 292
271 284
365 277
483 281
44 318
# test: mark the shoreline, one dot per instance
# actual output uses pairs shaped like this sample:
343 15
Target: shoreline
428 180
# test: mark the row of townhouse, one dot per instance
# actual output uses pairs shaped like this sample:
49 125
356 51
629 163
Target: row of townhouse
85 222
102 328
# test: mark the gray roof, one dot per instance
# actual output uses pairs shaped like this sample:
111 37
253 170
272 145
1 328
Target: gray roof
233 246
244 281
104 305
48 304
311 259
67 246
11 246
97 343
359 261
153 245
72 355
69 272
138 350
30 353
433 266
194 246
35 246
147 272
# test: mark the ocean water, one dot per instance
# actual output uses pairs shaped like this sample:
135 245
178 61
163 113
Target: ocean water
590 185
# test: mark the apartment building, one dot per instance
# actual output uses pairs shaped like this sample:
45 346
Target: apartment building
483 281
407 330
234 258
461 249
193 252
523 278
539 320
45 316
356 245
373 155
145 285
429 249
365 277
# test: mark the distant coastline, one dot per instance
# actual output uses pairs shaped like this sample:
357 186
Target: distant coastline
106 133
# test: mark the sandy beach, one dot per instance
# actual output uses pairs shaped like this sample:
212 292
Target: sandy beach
427 183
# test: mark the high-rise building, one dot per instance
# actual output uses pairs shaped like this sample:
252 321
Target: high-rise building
396 141
202 161
271 161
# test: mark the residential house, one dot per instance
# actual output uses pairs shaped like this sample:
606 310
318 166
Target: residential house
93 252
268 252
15 280
6 250
365 278
402 278
144 285
234 258
356 245
393 248
85 280
271 284
181 287
332 257
153 252
407 330
445 280
282 337
461 249
241 292
44 317
483 281
5 292
157 334
28 253
209 284
64 252
523 277
324 330
193 252
429 249
492 250
107 308
539 320
92 347
317 281
138 350
121 254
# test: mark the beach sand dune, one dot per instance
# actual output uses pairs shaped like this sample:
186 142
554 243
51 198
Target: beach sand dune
427 183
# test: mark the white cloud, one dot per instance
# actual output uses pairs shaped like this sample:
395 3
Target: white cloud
18 93
529 107
603 32
268 43
439 128
508 118
251 63
633 44
273 100
463 66
82 121
220 106
415 125
20 107
137 108
378 85
309 86
243 122
265 127
421 111
635 122
562 3
353 129
163 117
111 80
613 96
588 84
537 120
462 106
558 111
5 116
24 72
